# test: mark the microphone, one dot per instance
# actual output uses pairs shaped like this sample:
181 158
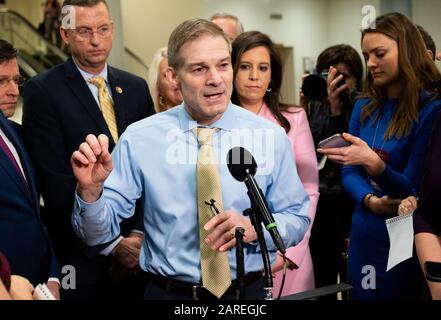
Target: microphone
243 167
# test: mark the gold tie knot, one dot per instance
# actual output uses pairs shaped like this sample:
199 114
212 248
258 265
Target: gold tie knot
99 82
205 135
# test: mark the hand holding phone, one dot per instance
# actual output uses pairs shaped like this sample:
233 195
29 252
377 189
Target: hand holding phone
433 271
335 141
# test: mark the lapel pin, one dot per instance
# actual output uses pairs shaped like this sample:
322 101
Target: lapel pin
119 90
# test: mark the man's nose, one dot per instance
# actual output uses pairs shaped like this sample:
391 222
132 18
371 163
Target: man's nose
12 88
214 77
95 38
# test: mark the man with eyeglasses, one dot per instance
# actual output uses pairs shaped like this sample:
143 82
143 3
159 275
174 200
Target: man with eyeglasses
61 107
23 238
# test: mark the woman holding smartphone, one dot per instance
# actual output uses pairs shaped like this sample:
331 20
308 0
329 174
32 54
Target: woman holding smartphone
389 131
257 80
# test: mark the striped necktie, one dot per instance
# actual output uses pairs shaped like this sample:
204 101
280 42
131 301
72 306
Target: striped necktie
7 151
215 266
106 106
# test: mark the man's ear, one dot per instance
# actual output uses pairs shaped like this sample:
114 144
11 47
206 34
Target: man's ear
431 54
172 75
64 36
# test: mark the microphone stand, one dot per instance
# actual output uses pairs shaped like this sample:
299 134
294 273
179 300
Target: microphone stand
268 278
240 263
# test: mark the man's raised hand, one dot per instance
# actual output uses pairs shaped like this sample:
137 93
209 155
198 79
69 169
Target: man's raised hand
91 165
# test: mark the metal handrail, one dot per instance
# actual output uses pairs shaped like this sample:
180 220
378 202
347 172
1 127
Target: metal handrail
53 48
136 57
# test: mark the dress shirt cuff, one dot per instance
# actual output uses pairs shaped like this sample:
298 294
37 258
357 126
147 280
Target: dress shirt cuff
137 231
54 280
112 246
91 207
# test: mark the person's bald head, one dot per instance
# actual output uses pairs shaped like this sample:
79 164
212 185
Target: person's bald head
229 23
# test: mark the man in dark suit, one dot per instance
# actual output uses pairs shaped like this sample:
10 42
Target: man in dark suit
61 107
23 237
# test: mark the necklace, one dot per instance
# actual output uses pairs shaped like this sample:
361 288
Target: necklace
380 151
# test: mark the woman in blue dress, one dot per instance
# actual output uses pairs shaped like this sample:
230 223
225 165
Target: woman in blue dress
389 130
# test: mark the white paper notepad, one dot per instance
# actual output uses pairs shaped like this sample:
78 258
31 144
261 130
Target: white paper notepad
401 237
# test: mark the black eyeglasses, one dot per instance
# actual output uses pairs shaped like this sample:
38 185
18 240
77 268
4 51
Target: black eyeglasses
18 80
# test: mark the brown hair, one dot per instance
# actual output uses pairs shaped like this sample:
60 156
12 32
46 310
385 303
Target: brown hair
188 31
7 51
416 73
252 39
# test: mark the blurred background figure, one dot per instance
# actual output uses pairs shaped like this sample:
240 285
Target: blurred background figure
163 89
229 23
257 80
327 117
428 41
51 12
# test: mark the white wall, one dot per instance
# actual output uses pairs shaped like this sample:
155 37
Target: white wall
345 21
303 26
149 23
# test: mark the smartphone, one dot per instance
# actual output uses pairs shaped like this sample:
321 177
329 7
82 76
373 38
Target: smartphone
433 271
335 141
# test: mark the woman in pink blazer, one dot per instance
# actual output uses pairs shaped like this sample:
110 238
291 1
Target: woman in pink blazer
257 81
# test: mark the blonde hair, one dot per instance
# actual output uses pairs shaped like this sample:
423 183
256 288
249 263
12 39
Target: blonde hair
152 77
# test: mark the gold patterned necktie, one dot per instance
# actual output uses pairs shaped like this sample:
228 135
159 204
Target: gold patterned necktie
106 106
215 265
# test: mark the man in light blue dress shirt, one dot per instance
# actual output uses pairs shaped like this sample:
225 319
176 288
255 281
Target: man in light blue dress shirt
155 161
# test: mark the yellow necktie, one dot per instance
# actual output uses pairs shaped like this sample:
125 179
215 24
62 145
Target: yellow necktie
106 106
215 265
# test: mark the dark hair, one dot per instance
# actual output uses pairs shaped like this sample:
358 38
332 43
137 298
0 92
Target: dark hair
253 39
428 41
188 31
7 51
341 53
55 3
84 3
417 72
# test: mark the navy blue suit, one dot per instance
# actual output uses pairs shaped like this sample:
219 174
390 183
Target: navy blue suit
59 112
23 237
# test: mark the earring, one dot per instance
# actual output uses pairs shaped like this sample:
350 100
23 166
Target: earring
269 89
161 101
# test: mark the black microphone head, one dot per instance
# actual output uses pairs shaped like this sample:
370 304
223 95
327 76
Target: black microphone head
240 162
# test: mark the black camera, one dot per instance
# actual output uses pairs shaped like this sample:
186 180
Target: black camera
315 86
